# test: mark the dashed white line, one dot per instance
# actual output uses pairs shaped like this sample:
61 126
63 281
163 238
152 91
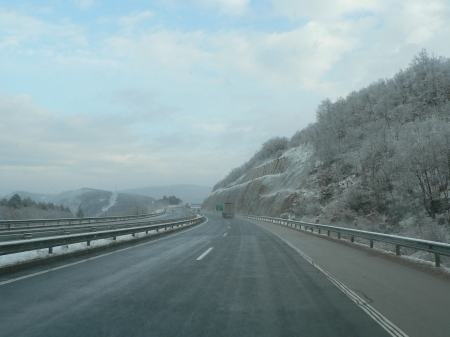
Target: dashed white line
204 254
225 234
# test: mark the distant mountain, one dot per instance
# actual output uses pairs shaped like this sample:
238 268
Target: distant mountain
191 194
94 202
130 204
33 196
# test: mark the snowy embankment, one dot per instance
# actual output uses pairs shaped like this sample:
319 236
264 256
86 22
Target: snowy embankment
11 259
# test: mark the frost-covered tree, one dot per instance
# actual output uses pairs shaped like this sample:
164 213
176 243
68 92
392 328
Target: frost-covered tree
15 201
80 213
394 134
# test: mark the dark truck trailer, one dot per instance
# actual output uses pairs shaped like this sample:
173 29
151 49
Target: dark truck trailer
228 210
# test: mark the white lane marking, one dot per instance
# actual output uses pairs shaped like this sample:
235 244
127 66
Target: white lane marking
386 324
97 257
225 234
204 254
228 226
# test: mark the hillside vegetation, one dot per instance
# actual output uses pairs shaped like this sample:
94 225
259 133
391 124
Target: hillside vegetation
17 208
85 202
378 158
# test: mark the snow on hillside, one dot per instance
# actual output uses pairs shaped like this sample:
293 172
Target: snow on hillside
268 194
378 160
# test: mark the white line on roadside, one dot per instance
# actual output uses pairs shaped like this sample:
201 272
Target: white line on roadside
225 234
99 256
204 254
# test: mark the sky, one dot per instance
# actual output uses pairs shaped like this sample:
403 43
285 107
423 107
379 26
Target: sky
127 94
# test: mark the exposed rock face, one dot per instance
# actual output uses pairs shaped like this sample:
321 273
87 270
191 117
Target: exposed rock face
267 189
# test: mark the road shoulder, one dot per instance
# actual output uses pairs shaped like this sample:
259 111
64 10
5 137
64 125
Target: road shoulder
412 298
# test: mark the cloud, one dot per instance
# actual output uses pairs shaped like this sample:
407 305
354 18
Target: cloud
171 94
31 34
134 18
235 8
229 7
69 151
211 127
83 4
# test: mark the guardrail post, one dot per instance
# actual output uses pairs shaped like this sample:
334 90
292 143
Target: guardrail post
437 260
352 239
328 233
371 243
134 234
146 232
319 230
312 229
50 250
397 250
339 235
88 242
114 237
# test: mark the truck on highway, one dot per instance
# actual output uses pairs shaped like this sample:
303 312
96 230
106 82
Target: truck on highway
228 210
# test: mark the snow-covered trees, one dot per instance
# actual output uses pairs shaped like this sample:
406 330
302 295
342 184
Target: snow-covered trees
80 213
425 150
395 133
391 138
18 208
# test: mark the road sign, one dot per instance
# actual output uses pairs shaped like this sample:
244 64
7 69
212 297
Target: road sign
219 207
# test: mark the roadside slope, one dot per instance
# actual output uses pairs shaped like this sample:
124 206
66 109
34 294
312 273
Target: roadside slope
267 191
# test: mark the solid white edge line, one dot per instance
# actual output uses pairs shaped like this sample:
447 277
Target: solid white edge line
386 324
98 256
204 254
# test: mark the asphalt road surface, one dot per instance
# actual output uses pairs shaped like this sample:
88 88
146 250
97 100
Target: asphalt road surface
226 277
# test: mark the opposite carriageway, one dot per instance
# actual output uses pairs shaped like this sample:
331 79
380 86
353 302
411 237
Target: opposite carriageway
50 237
16 224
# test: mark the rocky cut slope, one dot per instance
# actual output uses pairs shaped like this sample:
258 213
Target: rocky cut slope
270 188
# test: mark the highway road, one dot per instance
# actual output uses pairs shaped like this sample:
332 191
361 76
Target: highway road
225 277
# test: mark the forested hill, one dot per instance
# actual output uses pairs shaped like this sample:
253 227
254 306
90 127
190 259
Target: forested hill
380 152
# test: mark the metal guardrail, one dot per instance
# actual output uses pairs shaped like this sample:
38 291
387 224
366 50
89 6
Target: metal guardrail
437 248
36 232
50 242
9 224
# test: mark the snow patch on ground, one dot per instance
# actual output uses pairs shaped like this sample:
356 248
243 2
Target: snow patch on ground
112 202
11 259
